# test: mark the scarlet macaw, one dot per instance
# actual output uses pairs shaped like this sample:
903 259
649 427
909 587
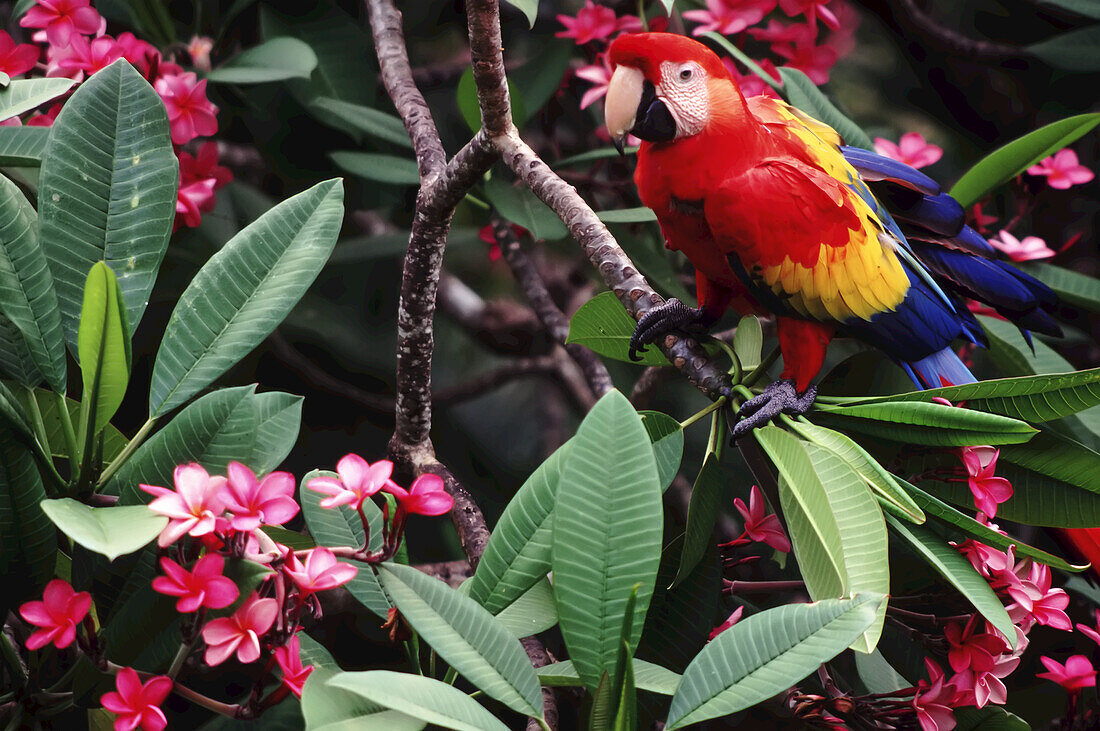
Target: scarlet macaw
777 215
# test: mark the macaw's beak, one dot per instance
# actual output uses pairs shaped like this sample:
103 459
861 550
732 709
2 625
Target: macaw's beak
632 107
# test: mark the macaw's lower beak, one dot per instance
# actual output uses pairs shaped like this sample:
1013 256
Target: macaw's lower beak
632 107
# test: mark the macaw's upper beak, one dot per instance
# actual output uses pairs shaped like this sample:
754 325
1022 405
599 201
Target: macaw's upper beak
632 107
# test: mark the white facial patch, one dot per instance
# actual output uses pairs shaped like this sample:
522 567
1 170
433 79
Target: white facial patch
683 89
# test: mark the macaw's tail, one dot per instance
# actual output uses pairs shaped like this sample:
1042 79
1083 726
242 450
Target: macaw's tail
942 368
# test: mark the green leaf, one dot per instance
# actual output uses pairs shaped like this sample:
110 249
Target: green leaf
519 205
275 60
668 444
592 156
529 8
640 214
934 424
23 95
767 653
429 700
532 613
23 146
13 415
365 119
602 325
104 348
466 636
989 718
702 512
329 708
804 94
470 108
15 357
1008 161
342 526
748 341
107 190
959 573
606 535
380 168
1073 288
113 440
289 538
647 676
1059 457
1087 8
1072 51
280 418
243 292
28 540
27 296
112 532
877 674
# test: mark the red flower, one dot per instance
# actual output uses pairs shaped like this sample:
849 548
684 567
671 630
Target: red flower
190 113
970 650
914 150
1062 170
45 120
254 502
289 658
200 176
320 572
194 506
136 704
240 632
934 700
729 16
58 614
358 480
203 586
814 61
1076 674
62 19
16 59
427 496
595 23
89 56
730 621
139 53
760 527
811 9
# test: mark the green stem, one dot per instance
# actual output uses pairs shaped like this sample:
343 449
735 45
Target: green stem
11 658
471 198
543 725
735 369
67 430
450 677
412 649
641 15
699 415
128 452
39 423
179 660
761 369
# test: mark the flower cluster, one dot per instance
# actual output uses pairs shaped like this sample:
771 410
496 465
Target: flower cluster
77 46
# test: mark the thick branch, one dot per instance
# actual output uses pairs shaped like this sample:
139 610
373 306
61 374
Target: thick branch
486 49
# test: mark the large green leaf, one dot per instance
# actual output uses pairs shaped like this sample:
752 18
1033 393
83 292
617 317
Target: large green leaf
989 718
702 513
532 613
465 635
519 205
529 8
23 95
420 697
275 60
1073 288
329 708
748 342
27 296
365 119
28 540
112 532
668 444
1059 457
107 190
243 292
640 214
380 168
603 325
647 676
342 526
804 94
15 357
1075 50
606 535
103 343
767 653
23 146
959 573
1008 161
280 418
934 424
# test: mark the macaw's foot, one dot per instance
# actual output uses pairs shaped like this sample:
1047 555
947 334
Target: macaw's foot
672 315
780 397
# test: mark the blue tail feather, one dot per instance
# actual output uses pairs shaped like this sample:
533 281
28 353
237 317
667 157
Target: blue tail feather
942 368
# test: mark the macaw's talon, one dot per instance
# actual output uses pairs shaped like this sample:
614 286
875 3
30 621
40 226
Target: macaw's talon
672 315
778 398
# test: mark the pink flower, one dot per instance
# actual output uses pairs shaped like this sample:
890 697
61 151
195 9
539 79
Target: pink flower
254 502
194 506
190 113
812 60
595 23
136 704
970 649
750 83
811 9
200 176
141 54
934 700
203 586
1062 170
320 572
16 59
289 658
1031 248
598 74
914 150
1032 591
1091 632
358 480
779 32
261 548
1076 674
198 48
240 632
58 614
89 56
62 19
729 16
427 496
730 621
760 527
989 491
45 120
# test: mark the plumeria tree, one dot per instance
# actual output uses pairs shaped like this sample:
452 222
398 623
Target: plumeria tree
524 527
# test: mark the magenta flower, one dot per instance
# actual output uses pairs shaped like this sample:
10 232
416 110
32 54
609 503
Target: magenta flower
812 9
914 150
812 60
989 490
760 527
730 621
971 650
289 658
254 502
190 113
16 59
358 480
57 615
1091 632
89 56
320 572
139 53
62 19
203 586
200 176
1062 170
595 23
1029 586
136 704
597 74
934 700
427 496
729 16
193 507
1029 249
1076 674
240 632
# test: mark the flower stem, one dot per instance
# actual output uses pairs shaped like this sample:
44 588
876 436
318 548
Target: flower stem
67 431
126 453
699 415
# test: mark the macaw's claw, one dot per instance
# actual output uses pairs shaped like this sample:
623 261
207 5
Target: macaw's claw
672 315
780 397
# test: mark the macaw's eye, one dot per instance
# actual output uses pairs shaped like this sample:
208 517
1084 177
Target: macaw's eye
685 75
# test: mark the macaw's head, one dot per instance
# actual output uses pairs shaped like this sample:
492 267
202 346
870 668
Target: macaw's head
664 87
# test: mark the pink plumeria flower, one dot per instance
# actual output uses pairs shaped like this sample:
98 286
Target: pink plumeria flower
139 53
914 150
193 507
1062 170
16 60
261 548
729 16
812 60
1029 249
812 9
731 620
1091 632
136 704
1033 592
200 176
934 700
199 48
190 113
989 490
89 56
62 19
750 83
596 23
289 658
597 74
57 615
239 633
320 572
760 527
254 502
427 496
1076 674
970 649
358 480
202 586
